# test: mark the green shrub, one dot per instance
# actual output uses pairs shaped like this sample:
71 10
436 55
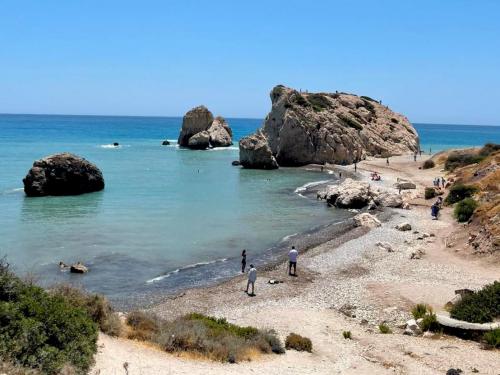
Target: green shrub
43 331
489 148
429 322
215 338
96 305
384 328
419 311
460 191
428 164
464 209
492 338
299 343
459 159
429 193
480 307
349 121
347 335
319 102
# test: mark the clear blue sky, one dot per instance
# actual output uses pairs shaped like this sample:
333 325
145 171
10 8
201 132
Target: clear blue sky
435 61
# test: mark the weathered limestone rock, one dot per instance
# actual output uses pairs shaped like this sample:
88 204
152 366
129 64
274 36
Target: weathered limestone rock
387 199
256 153
62 174
404 185
305 128
348 194
366 220
403 227
220 133
200 120
199 141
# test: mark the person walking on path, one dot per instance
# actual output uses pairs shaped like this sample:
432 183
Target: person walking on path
252 277
443 181
243 260
292 261
387 161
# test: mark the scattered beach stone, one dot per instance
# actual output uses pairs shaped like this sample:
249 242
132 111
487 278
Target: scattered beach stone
366 220
453 371
403 226
385 246
62 174
78 268
417 254
412 328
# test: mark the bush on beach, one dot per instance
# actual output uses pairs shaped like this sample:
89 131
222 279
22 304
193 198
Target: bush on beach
428 164
299 343
384 328
459 192
464 209
41 330
430 193
479 307
492 338
214 338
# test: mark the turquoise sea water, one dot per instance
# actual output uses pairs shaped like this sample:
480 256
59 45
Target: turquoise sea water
168 218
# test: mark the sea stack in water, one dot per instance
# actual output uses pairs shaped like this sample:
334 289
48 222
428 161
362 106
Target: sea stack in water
304 128
201 131
62 174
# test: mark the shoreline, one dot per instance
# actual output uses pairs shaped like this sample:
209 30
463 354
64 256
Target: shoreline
347 283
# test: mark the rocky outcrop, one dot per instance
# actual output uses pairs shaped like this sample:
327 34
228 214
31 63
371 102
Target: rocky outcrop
304 128
62 174
256 153
200 130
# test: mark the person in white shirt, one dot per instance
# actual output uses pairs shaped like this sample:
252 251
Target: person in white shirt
252 276
292 261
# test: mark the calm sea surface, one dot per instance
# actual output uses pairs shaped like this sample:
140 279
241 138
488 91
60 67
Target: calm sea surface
168 218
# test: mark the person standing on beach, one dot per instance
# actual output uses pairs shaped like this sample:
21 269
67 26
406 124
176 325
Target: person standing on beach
387 161
243 260
252 277
292 261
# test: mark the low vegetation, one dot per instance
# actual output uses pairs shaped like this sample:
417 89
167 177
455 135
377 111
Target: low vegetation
299 343
97 307
492 338
430 193
459 192
479 307
41 330
319 102
214 338
464 209
428 164
384 328
462 158
347 335
349 121
419 310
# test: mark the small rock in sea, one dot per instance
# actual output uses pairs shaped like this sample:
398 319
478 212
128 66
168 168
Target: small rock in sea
116 144
403 226
165 143
236 163
78 268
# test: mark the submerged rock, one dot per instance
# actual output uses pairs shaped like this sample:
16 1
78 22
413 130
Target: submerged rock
200 130
307 128
62 174
165 143
78 268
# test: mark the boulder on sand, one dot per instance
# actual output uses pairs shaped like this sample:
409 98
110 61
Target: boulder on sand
366 220
62 174
403 226
387 199
348 194
404 185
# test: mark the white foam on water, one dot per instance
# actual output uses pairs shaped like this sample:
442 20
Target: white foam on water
113 146
189 266
223 148
12 191
303 188
286 238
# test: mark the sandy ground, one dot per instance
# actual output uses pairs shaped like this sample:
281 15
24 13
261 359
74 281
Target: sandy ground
346 284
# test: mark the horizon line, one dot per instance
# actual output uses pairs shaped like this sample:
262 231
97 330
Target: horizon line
180 116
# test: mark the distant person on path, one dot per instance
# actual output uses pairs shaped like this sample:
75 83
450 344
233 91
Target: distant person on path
340 175
292 261
355 166
243 260
443 181
435 211
252 277
415 156
387 161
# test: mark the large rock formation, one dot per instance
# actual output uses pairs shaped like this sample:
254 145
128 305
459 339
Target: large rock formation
304 128
200 130
62 174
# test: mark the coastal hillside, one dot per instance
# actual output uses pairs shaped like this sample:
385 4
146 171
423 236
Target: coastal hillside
304 128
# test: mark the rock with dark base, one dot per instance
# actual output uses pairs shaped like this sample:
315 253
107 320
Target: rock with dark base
165 143
62 174
201 131
256 153
317 128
